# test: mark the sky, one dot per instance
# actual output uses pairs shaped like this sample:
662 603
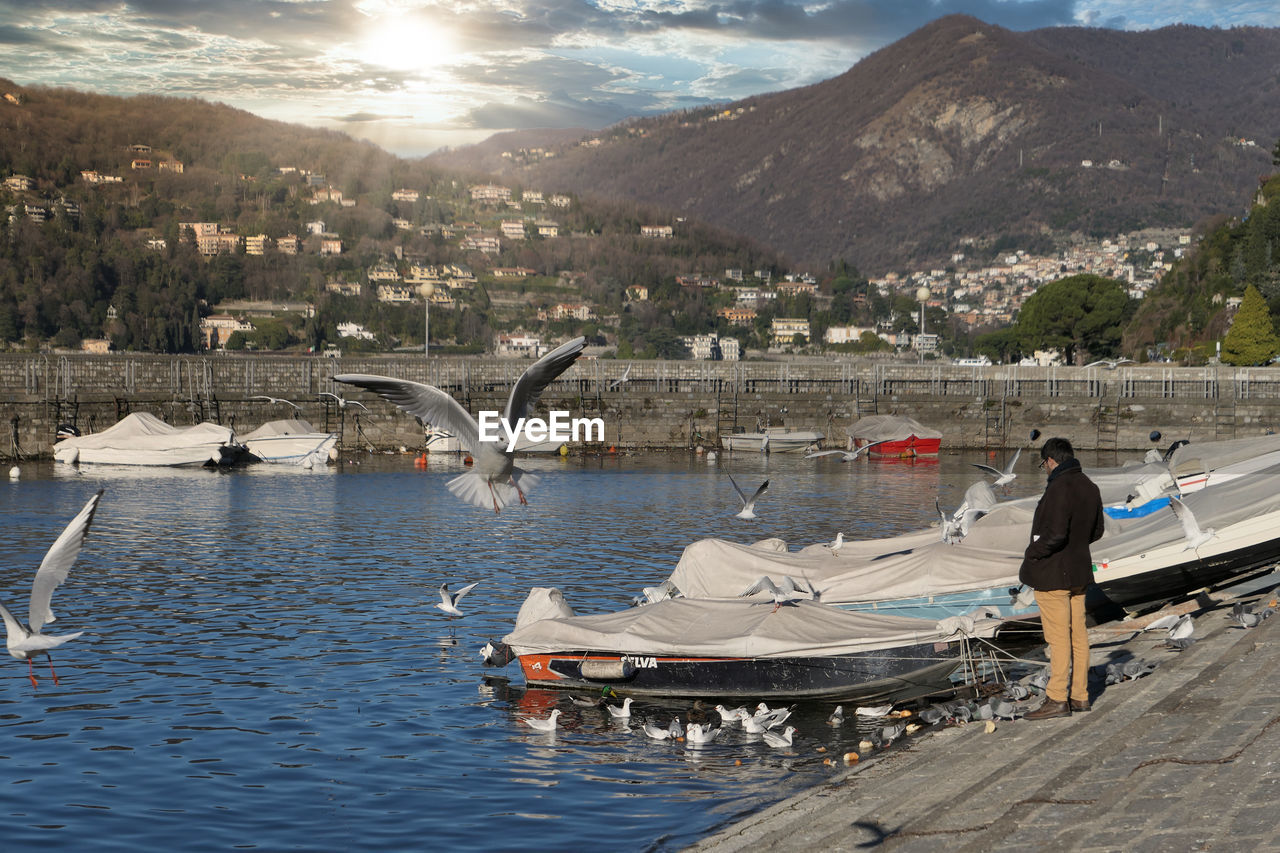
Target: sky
417 75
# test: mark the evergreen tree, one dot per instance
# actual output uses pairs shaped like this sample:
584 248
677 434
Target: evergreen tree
1252 337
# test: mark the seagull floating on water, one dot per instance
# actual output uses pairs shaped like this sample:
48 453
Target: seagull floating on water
547 725
778 740
837 716
1190 529
748 505
696 734
620 713
1005 476
493 478
656 732
732 716
24 643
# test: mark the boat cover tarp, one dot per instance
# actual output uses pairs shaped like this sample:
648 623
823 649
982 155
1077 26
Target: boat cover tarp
920 564
729 628
144 431
890 428
286 426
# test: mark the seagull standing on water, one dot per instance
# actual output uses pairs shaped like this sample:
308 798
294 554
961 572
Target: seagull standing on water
494 479
24 643
748 505
547 725
449 600
1003 477
622 713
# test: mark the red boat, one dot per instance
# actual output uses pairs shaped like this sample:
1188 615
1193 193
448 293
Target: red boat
900 437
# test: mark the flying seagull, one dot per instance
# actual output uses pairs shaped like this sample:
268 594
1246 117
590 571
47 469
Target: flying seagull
620 381
343 402
789 591
24 643
1190 529
1003 477
845 455
267 399
494 479
449 600
1110 363
748 504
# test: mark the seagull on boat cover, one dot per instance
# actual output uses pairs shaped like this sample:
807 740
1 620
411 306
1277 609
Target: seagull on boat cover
493 479
845 455
449 601
654 594
696 734
1005 476
836 544
1190 529
267 399
789 591
620 713
547 725
778 740
622 380
24 643
343 402
748 505
979 499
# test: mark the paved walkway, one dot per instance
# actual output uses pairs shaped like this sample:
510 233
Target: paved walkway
1186 758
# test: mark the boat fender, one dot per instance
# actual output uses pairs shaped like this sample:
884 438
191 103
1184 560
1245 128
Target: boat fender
607 670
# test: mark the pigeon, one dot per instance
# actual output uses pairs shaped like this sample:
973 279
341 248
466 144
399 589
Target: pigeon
1040 679
547 725
1180 643
1016 691
748 504
620 713
890 733
493 479
26 642
837 716
779 740
1005 476
1244 616
1190 529
932 715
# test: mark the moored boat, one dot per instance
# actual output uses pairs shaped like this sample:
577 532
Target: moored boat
733 649
143 439
291 441
895 436
772 440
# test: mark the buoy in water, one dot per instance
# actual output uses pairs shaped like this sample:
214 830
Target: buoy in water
420 461
467 460
564 450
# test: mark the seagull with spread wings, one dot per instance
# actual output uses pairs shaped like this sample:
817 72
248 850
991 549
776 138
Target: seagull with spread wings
1003 477
25 642
1190 527
845 455
494 478
748 510
343 402
267 399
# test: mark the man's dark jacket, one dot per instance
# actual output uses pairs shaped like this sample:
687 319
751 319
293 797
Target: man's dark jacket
1068 517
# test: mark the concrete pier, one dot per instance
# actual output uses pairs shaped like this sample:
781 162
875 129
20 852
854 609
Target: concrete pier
662 405
1185 758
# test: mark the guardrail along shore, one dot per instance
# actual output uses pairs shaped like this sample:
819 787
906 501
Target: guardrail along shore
661 405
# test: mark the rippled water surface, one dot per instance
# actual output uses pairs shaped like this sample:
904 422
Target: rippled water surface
263 668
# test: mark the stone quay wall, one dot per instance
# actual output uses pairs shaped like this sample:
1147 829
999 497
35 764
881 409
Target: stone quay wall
661 405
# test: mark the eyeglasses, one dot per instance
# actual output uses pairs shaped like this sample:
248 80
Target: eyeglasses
1043 462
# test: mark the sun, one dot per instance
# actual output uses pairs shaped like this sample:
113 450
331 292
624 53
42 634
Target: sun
406 42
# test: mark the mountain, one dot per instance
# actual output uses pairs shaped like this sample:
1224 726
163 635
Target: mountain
961 137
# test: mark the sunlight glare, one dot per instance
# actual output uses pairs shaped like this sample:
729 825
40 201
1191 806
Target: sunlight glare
406 43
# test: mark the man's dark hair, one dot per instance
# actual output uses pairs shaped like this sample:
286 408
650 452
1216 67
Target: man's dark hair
1057 449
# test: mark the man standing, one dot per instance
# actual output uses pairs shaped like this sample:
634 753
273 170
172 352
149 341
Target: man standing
1057 565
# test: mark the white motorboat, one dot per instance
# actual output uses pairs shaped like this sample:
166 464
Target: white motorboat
772 440
144 439
443 441
291 442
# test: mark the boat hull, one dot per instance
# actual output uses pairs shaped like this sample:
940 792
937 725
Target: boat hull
893 674
754 442
293 449
904 448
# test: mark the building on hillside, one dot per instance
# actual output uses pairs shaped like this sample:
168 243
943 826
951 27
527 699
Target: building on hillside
18 183
712 347
795 288
566 311
139 163
519 345
98 346
637 293
737 315
784 329
383 272
513 272
703 281
513 229
217 329
315 226
256 244
481 243
344 288
657 232
559 200
532 197
174 166
354 330
845 334
547 228
330 244
396 293
490 193
404 195
289 244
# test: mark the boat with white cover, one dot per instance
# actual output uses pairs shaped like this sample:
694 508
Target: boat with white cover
291 441
143 439
772 440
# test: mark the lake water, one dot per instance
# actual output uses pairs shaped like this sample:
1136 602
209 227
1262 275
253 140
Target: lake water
263 667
